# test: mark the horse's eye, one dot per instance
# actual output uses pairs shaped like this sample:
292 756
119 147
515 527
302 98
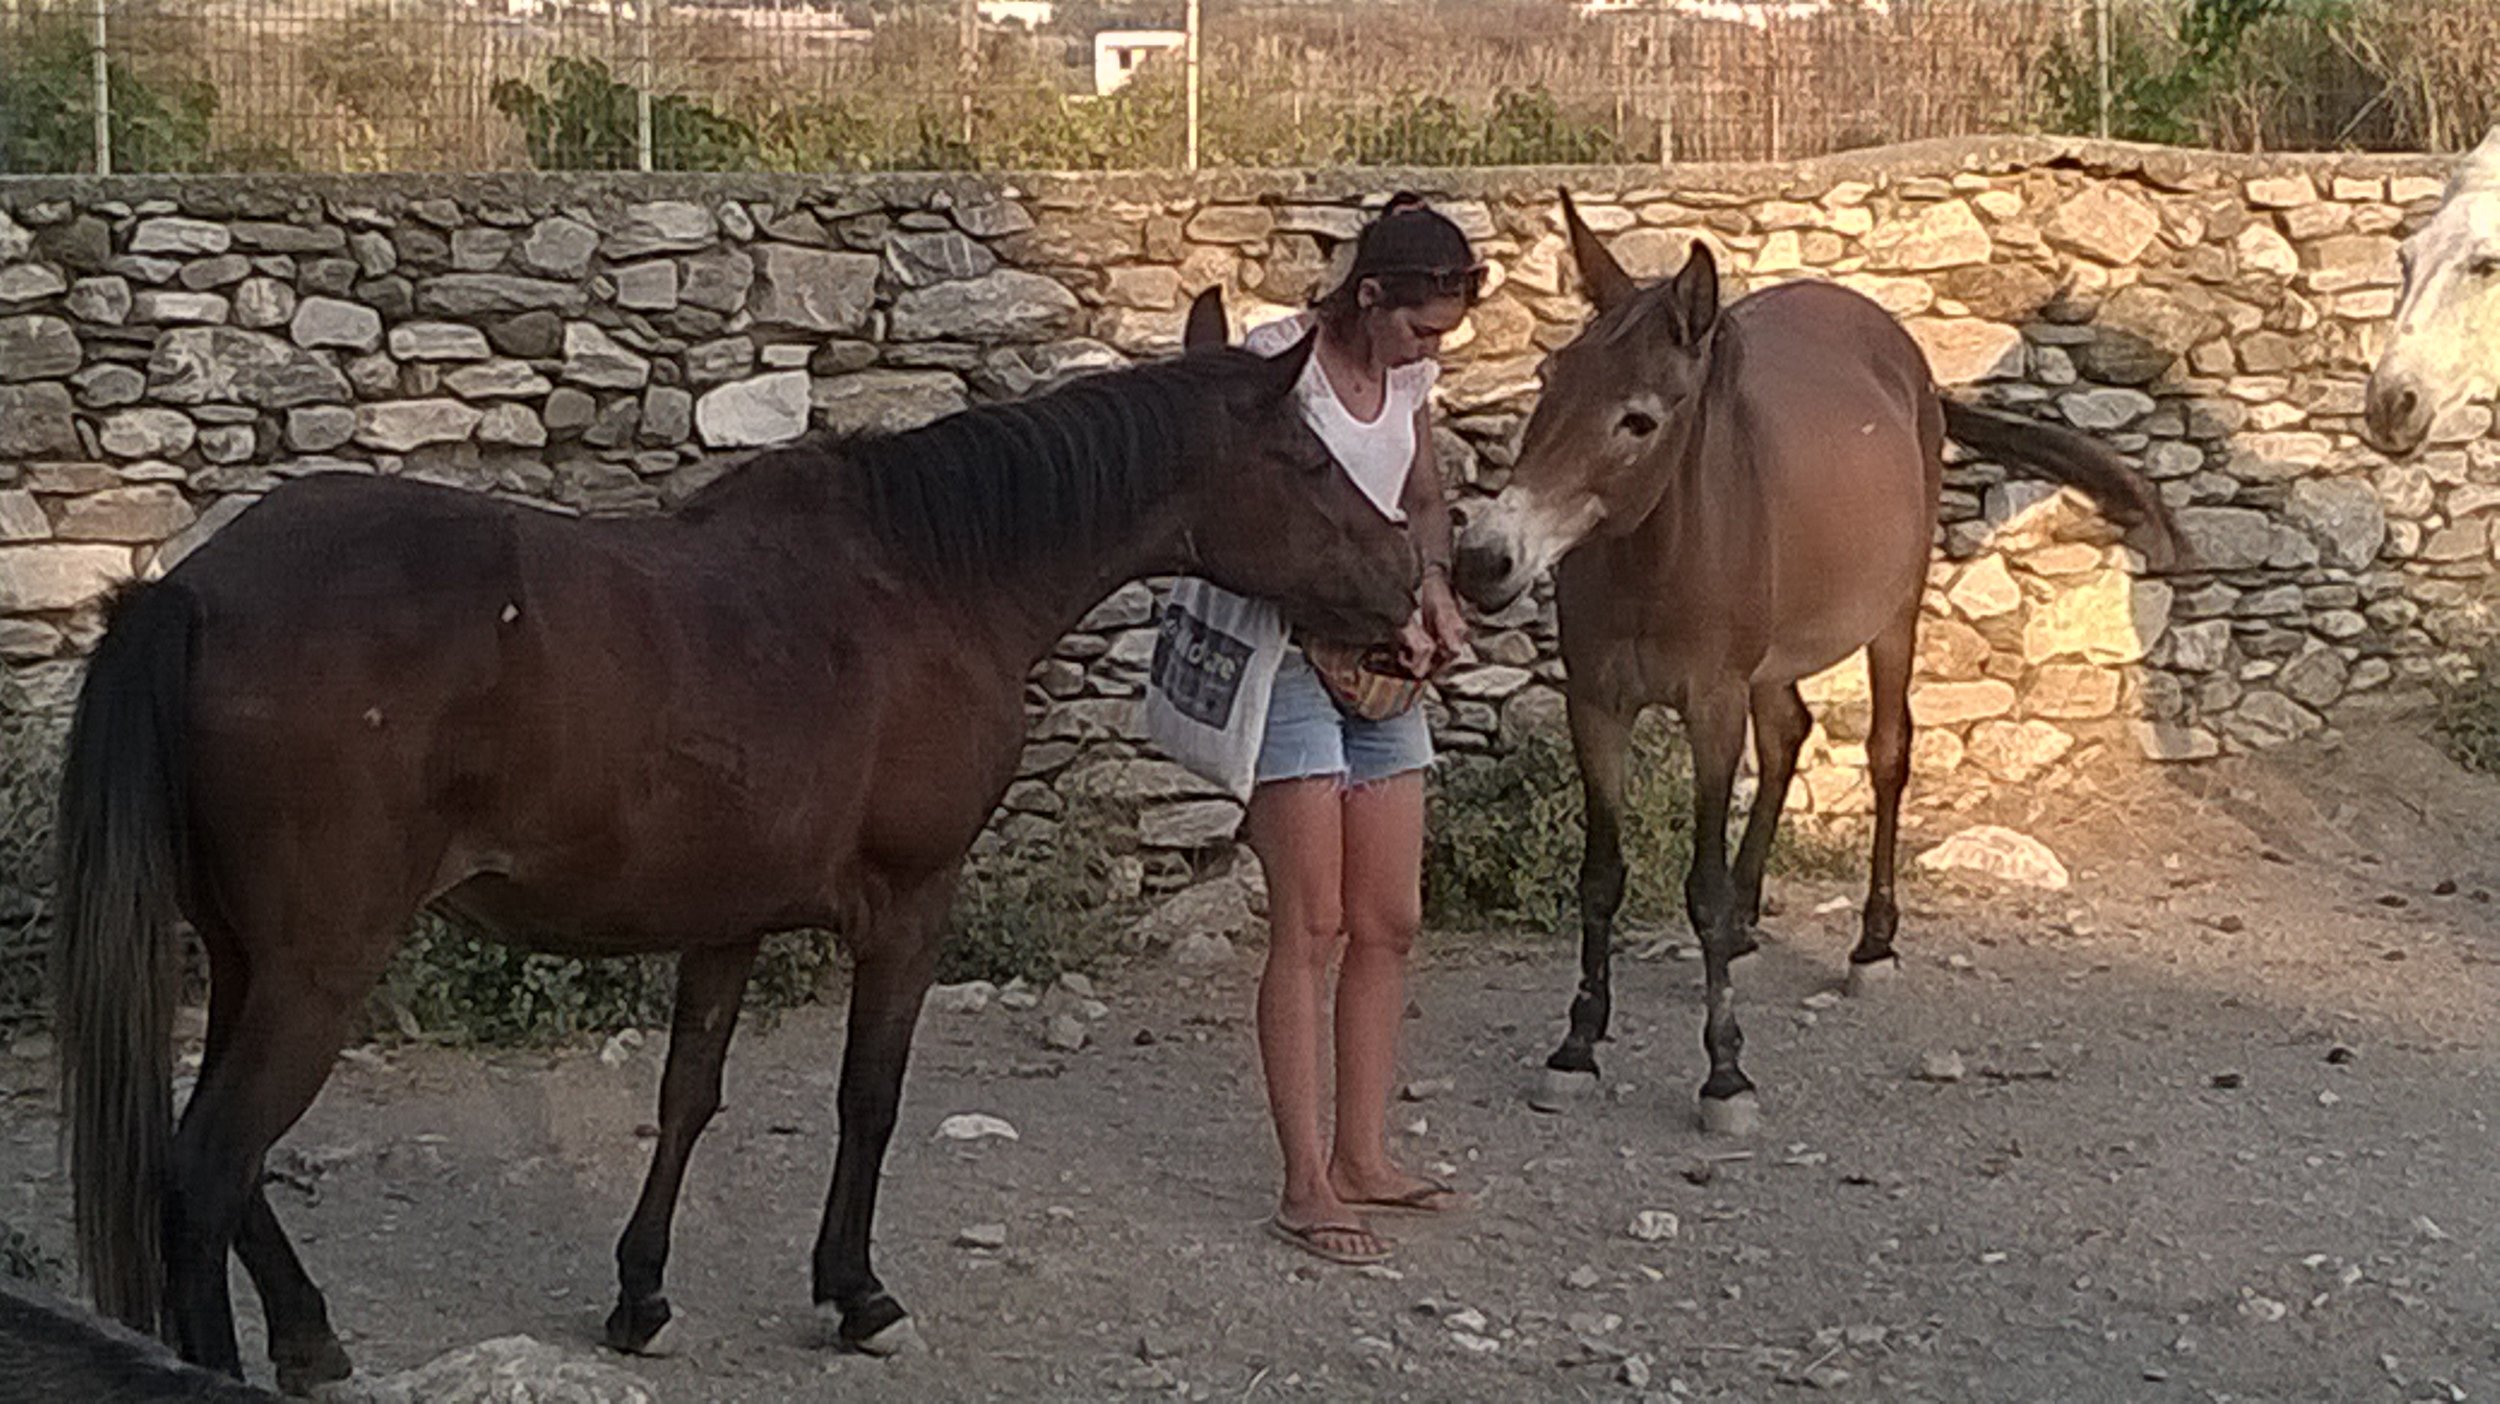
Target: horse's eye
2484 266
1638 424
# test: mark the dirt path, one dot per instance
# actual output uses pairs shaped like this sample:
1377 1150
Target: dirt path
2085 1215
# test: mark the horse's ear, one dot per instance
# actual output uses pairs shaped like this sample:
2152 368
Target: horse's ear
1694 293
1607 283
1207 325
1284 369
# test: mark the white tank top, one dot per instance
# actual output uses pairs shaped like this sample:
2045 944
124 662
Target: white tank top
1376 453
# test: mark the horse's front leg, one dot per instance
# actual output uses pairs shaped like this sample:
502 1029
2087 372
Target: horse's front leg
894 957
711 982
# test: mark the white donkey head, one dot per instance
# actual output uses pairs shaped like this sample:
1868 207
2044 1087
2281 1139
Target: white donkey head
2444 348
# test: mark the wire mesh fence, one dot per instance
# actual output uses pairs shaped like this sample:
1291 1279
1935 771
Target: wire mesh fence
327 85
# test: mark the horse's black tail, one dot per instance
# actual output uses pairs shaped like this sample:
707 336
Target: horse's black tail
122 841
2064 456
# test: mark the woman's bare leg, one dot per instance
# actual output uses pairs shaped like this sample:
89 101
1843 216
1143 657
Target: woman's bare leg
1295 826
1383 886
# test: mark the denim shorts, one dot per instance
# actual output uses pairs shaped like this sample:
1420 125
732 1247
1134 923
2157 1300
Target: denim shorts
1307 736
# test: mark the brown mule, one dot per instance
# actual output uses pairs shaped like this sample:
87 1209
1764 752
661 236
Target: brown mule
1731 503
793 703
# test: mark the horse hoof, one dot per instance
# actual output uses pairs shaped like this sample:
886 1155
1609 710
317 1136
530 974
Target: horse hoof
304 1375
1559 1091
878 1327
1873 978
643 1328
1737 1116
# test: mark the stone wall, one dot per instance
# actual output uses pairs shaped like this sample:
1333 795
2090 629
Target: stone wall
170 348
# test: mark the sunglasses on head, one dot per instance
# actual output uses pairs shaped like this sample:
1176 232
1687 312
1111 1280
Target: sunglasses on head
1463 283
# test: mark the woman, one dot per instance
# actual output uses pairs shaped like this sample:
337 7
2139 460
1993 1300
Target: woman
1337 818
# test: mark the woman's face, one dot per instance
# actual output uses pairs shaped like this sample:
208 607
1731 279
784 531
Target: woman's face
1404 335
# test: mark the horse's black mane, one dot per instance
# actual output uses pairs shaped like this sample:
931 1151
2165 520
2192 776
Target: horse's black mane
996 487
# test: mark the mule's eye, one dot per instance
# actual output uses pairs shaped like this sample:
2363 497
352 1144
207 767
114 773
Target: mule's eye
2484 265
1638 424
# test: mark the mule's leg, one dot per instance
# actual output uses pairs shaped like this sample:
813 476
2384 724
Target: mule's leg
284 1038
895 958
1601 740
1888 661
1714 720
302 1345
1780 724
711 981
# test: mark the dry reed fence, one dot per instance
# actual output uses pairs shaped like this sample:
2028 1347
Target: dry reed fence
801 84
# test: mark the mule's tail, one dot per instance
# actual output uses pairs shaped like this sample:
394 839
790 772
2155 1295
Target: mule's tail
2064 456
122 841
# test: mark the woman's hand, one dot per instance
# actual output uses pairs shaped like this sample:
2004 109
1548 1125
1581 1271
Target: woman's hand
1443 619
1436 636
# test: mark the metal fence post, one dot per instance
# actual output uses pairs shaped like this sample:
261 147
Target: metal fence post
1664 63
1189 158
101 75
967 60
642 84
2100 44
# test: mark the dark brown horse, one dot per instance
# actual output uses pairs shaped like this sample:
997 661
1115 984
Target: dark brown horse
1732 503
793 703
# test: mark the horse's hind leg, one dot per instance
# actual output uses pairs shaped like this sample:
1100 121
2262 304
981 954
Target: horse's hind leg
302 1345
279 1052
1601 740
895 958
1780 725
711 981
1888 661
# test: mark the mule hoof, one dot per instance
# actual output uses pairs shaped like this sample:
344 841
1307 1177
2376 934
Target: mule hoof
1873 978
643 1328
1740 1115
878 1327
305 1374
1559 1091
664 1342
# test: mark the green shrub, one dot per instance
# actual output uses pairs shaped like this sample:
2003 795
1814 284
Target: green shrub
1044 906
583 119
1504 833
2184 74
2469 716
454 985
30 784
47 106
1524 127
1040 908
21 1257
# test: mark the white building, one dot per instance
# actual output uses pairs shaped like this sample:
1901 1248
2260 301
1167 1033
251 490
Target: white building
1032 14
1757 14
1118 52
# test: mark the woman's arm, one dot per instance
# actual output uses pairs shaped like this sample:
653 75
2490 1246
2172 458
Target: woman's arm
1426 500
1428 516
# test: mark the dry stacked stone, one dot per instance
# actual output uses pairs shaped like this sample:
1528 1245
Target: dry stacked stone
172 348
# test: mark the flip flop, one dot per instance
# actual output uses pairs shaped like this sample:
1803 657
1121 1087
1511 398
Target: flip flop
1419 1200
1308 1240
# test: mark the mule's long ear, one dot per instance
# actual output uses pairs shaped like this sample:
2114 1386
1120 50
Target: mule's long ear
1207 325
1608 285
1694 293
